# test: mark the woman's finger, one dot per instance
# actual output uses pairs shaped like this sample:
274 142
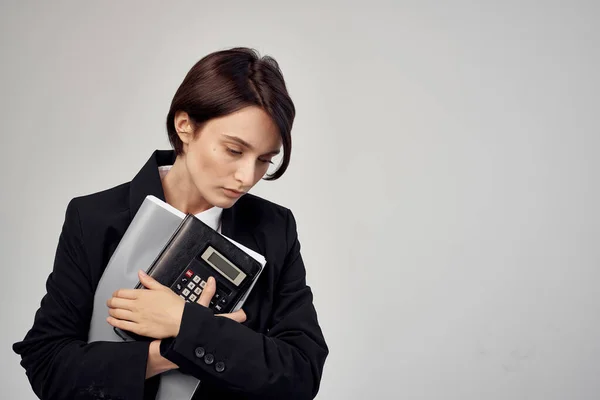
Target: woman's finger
118 302
124 325
130 294
238 316
208 292
149 282
119 313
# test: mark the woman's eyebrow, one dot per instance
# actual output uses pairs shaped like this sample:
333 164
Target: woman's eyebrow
246 144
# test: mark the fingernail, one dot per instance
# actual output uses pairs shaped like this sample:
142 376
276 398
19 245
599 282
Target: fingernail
143 273
212 280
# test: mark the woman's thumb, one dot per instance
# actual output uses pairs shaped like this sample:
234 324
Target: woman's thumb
148 281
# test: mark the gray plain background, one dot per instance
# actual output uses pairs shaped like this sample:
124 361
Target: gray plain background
444 173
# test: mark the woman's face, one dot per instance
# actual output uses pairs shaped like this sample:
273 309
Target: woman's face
230 154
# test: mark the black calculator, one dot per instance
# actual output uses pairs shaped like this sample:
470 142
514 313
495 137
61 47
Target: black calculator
193 280
194 253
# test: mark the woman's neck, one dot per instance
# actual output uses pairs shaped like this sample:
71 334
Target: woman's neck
180 191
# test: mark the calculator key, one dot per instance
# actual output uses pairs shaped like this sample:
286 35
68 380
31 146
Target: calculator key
223 300
193 297
217 296
184 280
178 287
196 279
191 285
218 307
202 284
198 290
189 273
186 292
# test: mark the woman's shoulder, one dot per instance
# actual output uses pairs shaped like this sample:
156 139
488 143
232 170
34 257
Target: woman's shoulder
253 206
273 223
250 209
113 200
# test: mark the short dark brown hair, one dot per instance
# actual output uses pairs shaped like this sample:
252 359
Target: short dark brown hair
226 81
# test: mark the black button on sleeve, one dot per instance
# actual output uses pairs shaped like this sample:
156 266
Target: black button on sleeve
220 366
199 352
209 358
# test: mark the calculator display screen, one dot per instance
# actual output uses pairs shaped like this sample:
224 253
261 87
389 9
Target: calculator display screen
223 266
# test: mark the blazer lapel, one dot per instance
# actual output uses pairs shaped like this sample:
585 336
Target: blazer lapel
236 227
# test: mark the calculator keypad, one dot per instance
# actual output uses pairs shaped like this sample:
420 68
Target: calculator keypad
190 287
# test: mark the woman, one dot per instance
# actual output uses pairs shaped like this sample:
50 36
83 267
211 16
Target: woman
228 119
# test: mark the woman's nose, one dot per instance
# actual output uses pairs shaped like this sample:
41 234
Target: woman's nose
245 175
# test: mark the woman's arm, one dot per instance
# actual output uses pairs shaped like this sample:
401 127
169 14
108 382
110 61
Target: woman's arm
286 363
157 364
59 362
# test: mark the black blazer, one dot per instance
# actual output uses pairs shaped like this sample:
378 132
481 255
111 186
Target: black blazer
279 352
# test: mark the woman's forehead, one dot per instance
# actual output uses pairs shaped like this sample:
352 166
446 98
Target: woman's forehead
250 126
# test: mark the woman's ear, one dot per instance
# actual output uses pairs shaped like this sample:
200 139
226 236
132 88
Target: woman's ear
184 126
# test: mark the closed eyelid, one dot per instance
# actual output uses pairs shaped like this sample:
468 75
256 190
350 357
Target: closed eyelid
263 157
240 152
235 141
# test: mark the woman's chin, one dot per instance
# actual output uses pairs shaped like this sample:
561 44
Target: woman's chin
224 201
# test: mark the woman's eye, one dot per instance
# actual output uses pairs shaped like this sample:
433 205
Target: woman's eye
239 153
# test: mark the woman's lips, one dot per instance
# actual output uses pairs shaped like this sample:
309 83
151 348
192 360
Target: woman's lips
234 194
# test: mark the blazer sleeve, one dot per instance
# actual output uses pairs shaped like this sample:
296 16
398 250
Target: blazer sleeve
59 362
285 363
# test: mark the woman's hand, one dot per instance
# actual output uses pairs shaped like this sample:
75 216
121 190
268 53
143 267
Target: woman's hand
154 313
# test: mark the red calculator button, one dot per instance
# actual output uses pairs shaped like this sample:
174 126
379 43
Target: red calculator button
189 273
